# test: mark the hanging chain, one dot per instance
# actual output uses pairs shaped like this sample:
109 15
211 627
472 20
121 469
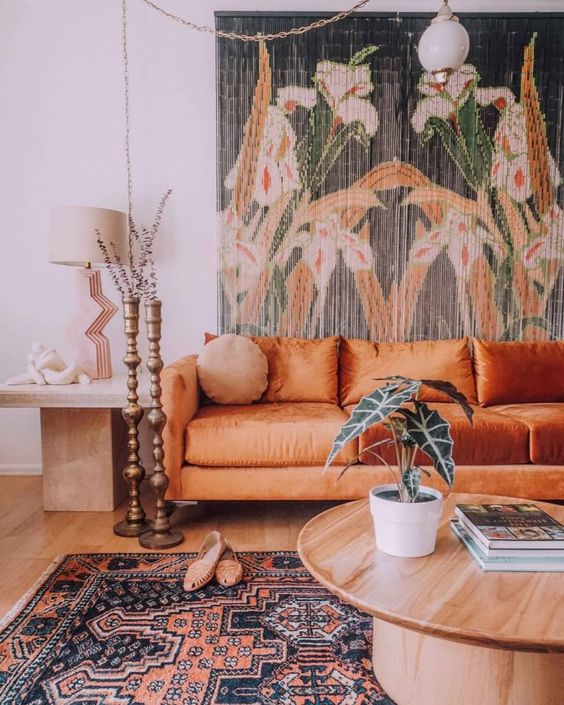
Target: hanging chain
259 37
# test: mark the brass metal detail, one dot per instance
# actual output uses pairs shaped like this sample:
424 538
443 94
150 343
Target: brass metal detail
317 24
161 535
134 523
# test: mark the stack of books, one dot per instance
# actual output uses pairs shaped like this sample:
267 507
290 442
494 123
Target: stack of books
510 537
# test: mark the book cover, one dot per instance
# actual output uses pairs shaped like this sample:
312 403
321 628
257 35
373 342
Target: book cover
523 526
506 564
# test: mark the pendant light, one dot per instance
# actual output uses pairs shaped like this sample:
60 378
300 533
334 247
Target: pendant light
444 45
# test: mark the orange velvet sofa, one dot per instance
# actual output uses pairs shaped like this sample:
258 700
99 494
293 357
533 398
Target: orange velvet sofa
276 448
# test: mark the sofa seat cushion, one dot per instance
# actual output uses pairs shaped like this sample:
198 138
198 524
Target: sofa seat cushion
362 364
280 434
494 439
546 429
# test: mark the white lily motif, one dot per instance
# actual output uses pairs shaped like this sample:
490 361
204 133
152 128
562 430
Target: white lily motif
511 133
510 166
513 175
346 89
443 101
500 97
277 167
321 245
549 246
463 239
290 97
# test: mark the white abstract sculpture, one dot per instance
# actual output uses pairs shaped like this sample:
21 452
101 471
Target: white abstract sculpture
46 366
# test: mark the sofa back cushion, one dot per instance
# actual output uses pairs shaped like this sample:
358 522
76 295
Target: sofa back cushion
519 372
361 361
299 369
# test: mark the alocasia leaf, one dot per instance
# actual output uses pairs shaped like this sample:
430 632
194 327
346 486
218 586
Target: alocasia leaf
370 410
451 391
440 385
432 435
411 480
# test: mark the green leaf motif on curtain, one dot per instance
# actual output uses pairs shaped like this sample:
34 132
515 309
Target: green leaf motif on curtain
363 54
478 145
452 144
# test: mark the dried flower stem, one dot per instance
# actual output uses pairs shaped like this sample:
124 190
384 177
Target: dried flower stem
141 279
113 264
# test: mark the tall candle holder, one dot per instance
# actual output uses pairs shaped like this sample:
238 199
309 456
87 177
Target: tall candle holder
161 535
135 522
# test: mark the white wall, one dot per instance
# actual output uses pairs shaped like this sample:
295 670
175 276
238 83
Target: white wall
61 126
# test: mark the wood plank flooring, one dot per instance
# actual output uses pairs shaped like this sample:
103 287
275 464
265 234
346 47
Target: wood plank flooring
30 539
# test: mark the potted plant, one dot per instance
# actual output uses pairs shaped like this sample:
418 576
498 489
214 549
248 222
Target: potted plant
406 514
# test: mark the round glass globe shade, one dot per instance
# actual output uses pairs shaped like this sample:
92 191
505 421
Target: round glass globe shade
443 45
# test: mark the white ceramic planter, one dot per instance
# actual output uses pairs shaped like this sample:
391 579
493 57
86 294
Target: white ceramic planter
405 529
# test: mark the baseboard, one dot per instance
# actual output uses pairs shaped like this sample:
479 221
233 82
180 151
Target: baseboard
20 469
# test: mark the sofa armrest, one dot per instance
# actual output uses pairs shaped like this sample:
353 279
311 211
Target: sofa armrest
180 400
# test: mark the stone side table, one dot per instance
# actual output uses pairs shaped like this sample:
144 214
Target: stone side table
83 440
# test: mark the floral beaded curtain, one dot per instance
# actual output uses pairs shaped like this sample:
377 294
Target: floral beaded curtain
357 197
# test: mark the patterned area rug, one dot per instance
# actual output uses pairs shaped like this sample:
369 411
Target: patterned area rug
118 629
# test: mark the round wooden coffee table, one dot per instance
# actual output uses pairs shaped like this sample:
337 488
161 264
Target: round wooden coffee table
445 633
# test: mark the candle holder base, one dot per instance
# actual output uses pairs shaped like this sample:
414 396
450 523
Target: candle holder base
150 539
129 530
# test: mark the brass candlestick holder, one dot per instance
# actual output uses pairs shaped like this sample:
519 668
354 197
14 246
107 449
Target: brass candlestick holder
161 536
134 523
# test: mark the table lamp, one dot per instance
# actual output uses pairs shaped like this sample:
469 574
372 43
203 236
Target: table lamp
73 241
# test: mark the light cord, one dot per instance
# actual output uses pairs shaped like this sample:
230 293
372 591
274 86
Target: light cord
127 131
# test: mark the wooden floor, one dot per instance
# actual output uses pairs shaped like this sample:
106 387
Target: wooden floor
30 539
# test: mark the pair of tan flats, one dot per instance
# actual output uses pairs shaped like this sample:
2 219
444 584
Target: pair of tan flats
216 559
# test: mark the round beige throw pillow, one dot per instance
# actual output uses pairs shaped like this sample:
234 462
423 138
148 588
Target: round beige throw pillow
232 370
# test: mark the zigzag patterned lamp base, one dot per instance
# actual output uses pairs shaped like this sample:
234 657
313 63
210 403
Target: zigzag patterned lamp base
90 345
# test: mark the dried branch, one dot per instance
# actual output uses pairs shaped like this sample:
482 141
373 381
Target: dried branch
141 279
146 258
122 271
113 264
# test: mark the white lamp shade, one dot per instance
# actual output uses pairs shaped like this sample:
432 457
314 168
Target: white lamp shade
443 46
73 238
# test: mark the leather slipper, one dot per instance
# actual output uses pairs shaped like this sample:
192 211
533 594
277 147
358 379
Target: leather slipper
229 570
202 570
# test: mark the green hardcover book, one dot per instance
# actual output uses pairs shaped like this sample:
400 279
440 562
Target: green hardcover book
506 564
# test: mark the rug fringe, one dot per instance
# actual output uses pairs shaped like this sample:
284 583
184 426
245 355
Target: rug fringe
13 612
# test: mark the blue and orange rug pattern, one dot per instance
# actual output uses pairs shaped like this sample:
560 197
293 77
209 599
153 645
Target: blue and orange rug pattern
118 629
